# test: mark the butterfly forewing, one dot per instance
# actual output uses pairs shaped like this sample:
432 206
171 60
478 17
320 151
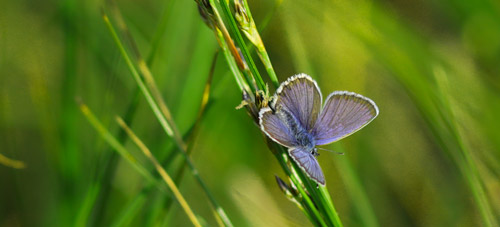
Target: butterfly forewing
300 95
343 114
308 164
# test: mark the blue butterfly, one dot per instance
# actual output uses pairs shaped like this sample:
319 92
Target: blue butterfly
296 119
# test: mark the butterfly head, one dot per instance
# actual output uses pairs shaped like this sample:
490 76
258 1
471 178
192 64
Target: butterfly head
314 152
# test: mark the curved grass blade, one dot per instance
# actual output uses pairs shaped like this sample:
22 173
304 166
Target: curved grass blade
168 180
162 114
113 142
11 162
241 44
247 25
110 162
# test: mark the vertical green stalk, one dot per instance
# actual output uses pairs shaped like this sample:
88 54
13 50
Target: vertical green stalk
248 27
312 187
69 131
113 142
103 179
213 19
231 62
467 165
163 116
331 212
308 204
11 162
110 160
241 44
355 189
168 180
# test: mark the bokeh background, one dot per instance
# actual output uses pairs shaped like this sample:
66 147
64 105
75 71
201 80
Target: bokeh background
431 158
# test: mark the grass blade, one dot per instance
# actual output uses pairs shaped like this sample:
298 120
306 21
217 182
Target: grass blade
241 44
113 142
247 25
162 114
170 183
11 162
292 173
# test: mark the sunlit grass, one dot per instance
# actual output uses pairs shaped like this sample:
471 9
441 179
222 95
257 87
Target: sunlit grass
431 158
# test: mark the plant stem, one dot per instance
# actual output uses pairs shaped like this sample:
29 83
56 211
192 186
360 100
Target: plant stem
106 135
261 49
241 43
170 183
332 213
163 115
279 151
11 162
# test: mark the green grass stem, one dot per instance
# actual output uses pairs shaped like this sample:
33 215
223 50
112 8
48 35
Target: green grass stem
309 205
161 117
168 180
261 49
355 189
11 162
113 142
241 44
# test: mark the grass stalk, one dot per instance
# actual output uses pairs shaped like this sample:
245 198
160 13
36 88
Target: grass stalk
236 63
110 162
160 31
127 214
247 25
68 122
11 162
331 212
467 164
113 142
308 204
168 180
241 44
231 62
355 189
429 105
82 218
192 134
237 57
133 207
162 114
327 210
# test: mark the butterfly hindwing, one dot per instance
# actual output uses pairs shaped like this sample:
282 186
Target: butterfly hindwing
343 114
308 164
274 127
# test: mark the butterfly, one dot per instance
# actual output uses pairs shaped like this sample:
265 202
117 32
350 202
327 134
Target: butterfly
296 119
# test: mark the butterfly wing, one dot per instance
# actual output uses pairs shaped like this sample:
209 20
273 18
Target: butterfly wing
301 96
343 114
275 128
308 163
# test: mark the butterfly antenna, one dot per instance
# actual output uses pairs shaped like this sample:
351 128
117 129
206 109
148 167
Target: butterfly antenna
339 153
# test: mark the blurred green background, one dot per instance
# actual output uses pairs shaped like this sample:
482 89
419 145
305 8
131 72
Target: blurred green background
431 158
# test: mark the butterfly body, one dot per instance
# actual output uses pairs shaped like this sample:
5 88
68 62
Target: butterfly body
297 120
303 138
